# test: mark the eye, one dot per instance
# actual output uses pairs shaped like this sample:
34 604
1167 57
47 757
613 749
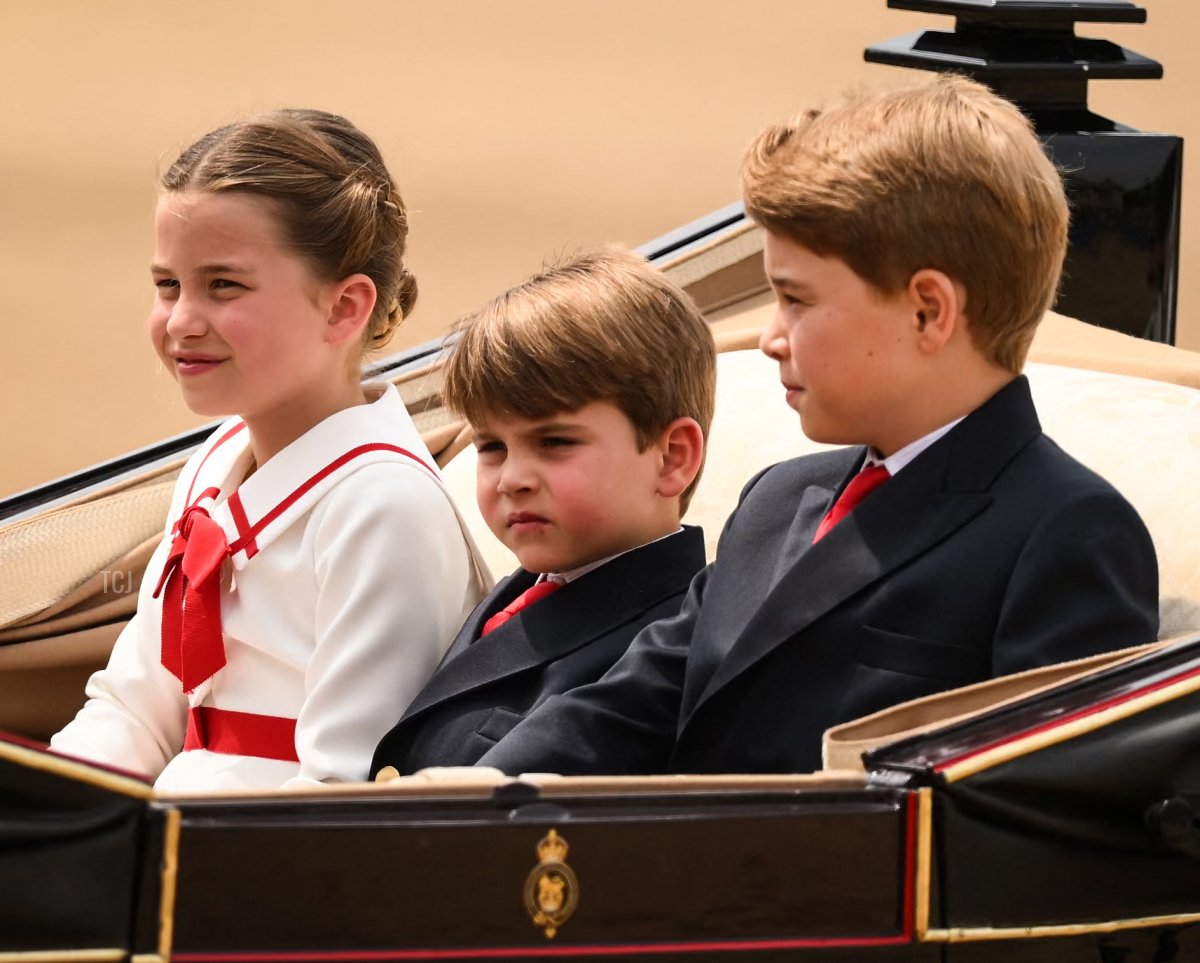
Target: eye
225 284
168 288
557 441
492 449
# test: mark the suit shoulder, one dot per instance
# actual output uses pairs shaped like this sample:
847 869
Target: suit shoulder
1047 464
824 468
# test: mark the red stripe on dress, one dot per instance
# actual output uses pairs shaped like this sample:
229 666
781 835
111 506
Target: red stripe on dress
238 511
248 538
220 441
235 733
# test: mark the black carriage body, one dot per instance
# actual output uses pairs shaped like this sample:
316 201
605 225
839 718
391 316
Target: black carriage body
1035 832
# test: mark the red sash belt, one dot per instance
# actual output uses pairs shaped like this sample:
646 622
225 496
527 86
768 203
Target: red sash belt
241 733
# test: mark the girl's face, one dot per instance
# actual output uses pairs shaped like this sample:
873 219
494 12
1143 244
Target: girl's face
239 320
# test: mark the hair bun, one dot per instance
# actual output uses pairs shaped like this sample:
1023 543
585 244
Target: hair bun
406 293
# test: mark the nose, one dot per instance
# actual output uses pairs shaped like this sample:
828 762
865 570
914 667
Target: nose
185 318
516 476
773 340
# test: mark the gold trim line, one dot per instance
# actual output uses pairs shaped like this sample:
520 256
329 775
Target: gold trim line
66 956
924 860
984 933
170 872
1070 730
79 771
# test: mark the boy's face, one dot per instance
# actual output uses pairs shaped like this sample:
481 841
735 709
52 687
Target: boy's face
569 489
844 348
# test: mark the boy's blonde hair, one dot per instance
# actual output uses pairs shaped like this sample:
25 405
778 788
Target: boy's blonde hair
602 325
947 175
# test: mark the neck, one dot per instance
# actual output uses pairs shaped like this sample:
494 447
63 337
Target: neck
949 399
273 430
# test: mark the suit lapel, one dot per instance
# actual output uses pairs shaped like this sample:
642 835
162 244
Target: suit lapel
506 590
560 623
940 491
814 503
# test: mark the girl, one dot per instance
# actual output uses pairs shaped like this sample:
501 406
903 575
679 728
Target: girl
314 568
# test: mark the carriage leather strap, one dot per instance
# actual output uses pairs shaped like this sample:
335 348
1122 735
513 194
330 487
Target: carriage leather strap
241 733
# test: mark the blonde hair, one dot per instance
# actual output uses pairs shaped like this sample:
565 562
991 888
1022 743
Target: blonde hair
336 203
602 325
946 175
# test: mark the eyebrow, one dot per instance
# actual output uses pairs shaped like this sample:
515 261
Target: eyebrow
785 282
552 426
206 269
548 428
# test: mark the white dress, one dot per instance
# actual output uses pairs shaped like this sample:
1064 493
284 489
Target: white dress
349 574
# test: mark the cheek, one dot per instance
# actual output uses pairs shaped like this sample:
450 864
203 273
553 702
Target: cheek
582 495
156 328
485 486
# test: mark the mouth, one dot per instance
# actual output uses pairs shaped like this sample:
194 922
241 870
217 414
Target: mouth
188 365
525 522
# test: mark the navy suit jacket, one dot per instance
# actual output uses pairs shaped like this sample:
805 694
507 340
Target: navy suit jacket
485 686
991 552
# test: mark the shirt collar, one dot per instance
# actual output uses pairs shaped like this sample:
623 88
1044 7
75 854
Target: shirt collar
898 460
565 578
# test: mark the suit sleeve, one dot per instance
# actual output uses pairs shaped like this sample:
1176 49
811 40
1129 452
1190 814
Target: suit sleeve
393 578
1086 582
626 722
623 724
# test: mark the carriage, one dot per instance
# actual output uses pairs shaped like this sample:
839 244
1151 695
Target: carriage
1053 815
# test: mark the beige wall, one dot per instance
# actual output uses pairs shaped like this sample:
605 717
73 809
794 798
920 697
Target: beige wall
516 129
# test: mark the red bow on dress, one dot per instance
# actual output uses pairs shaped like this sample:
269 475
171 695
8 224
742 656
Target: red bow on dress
193 647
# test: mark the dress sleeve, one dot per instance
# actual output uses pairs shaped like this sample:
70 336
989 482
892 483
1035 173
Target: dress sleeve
136 713
1086 582
393 576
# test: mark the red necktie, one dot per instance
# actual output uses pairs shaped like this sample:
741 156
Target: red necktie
539 590
861 485
193 646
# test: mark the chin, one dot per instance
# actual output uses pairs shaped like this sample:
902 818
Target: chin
536 561
208 407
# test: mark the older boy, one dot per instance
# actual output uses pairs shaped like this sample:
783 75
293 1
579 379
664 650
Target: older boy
590 391
914 239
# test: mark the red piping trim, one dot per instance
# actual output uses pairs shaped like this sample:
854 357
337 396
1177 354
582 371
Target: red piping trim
248 537
1064 720
238 511
910 864
220 441
543 952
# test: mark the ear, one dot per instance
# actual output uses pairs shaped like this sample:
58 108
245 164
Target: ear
682 447
938 303
352 301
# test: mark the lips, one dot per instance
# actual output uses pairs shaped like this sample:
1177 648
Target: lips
195 364
525 521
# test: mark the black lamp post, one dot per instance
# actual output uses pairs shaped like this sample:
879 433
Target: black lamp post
1124 184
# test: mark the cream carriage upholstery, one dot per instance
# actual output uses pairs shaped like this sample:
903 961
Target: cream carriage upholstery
1128 408
1141 433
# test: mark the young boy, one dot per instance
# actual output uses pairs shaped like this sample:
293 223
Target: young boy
590 392
913 241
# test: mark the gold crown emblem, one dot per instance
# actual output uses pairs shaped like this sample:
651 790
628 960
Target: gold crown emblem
551 889
552 848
